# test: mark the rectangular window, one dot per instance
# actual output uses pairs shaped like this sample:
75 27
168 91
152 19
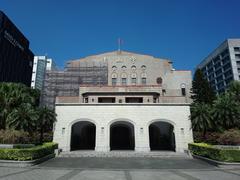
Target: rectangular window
106 100
124 81
218 72
183 91
114 81
134 100
237 49
238 70
237 56
134 81
144 81
224 53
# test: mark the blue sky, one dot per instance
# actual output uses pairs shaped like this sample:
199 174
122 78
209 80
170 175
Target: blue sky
184 31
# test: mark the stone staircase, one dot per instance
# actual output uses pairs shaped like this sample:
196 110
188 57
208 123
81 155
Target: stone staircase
123 154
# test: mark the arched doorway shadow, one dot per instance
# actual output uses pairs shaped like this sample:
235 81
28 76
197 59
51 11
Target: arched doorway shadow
122 136
83 136
161 136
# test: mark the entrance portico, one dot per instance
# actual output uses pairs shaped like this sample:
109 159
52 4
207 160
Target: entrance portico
133 119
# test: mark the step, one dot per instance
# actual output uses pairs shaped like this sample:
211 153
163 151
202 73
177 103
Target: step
155 154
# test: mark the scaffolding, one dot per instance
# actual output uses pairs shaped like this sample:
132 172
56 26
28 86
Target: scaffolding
68 81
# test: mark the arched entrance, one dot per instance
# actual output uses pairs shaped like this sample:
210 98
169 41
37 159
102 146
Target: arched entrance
122 136
161 136
83 136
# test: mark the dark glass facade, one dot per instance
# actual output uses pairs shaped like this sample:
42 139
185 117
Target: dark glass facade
16 59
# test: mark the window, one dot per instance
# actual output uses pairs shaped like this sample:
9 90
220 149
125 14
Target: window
227 66
218 72
114 68
124 81
92 100
124 67
133 67
114 81
159 80
144 81
154 100
238 70
228 73
224 53
120 100
106 100
237 56
183 91
143 67
134 81
237 49
134 100
86 100
163 91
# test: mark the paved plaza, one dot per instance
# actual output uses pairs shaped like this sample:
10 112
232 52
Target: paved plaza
110 168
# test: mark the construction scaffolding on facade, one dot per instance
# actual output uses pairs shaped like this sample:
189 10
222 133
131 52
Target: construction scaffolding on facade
68 81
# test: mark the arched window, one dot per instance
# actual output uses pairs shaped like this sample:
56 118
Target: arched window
183 89
134 68
114 68
143 67
124 68
159 80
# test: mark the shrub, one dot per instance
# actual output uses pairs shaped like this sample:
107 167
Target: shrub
230 137
28 153
14 137
209 151
10 136
210 137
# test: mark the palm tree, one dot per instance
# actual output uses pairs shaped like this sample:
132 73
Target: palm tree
23 117
46 119
12 95
201 117
234 88
226 111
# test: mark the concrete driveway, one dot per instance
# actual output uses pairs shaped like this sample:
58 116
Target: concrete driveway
120 169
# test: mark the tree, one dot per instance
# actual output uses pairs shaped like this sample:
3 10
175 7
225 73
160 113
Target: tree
201 117
226 111
23 117
234 89
201 89
46 119
12 95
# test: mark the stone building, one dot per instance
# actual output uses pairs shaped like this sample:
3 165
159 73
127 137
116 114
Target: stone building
144 106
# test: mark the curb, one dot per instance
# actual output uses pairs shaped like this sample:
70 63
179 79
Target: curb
220 164
12 163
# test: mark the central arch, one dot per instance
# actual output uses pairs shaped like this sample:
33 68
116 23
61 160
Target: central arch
161 136
122 136
83 136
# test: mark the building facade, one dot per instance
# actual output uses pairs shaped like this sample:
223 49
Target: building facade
16 59
144 106
41 65
223 65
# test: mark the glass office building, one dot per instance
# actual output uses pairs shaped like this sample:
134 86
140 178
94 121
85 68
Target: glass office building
223 65
16 59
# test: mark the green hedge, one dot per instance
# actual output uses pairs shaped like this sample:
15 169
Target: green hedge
28 153
205 150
